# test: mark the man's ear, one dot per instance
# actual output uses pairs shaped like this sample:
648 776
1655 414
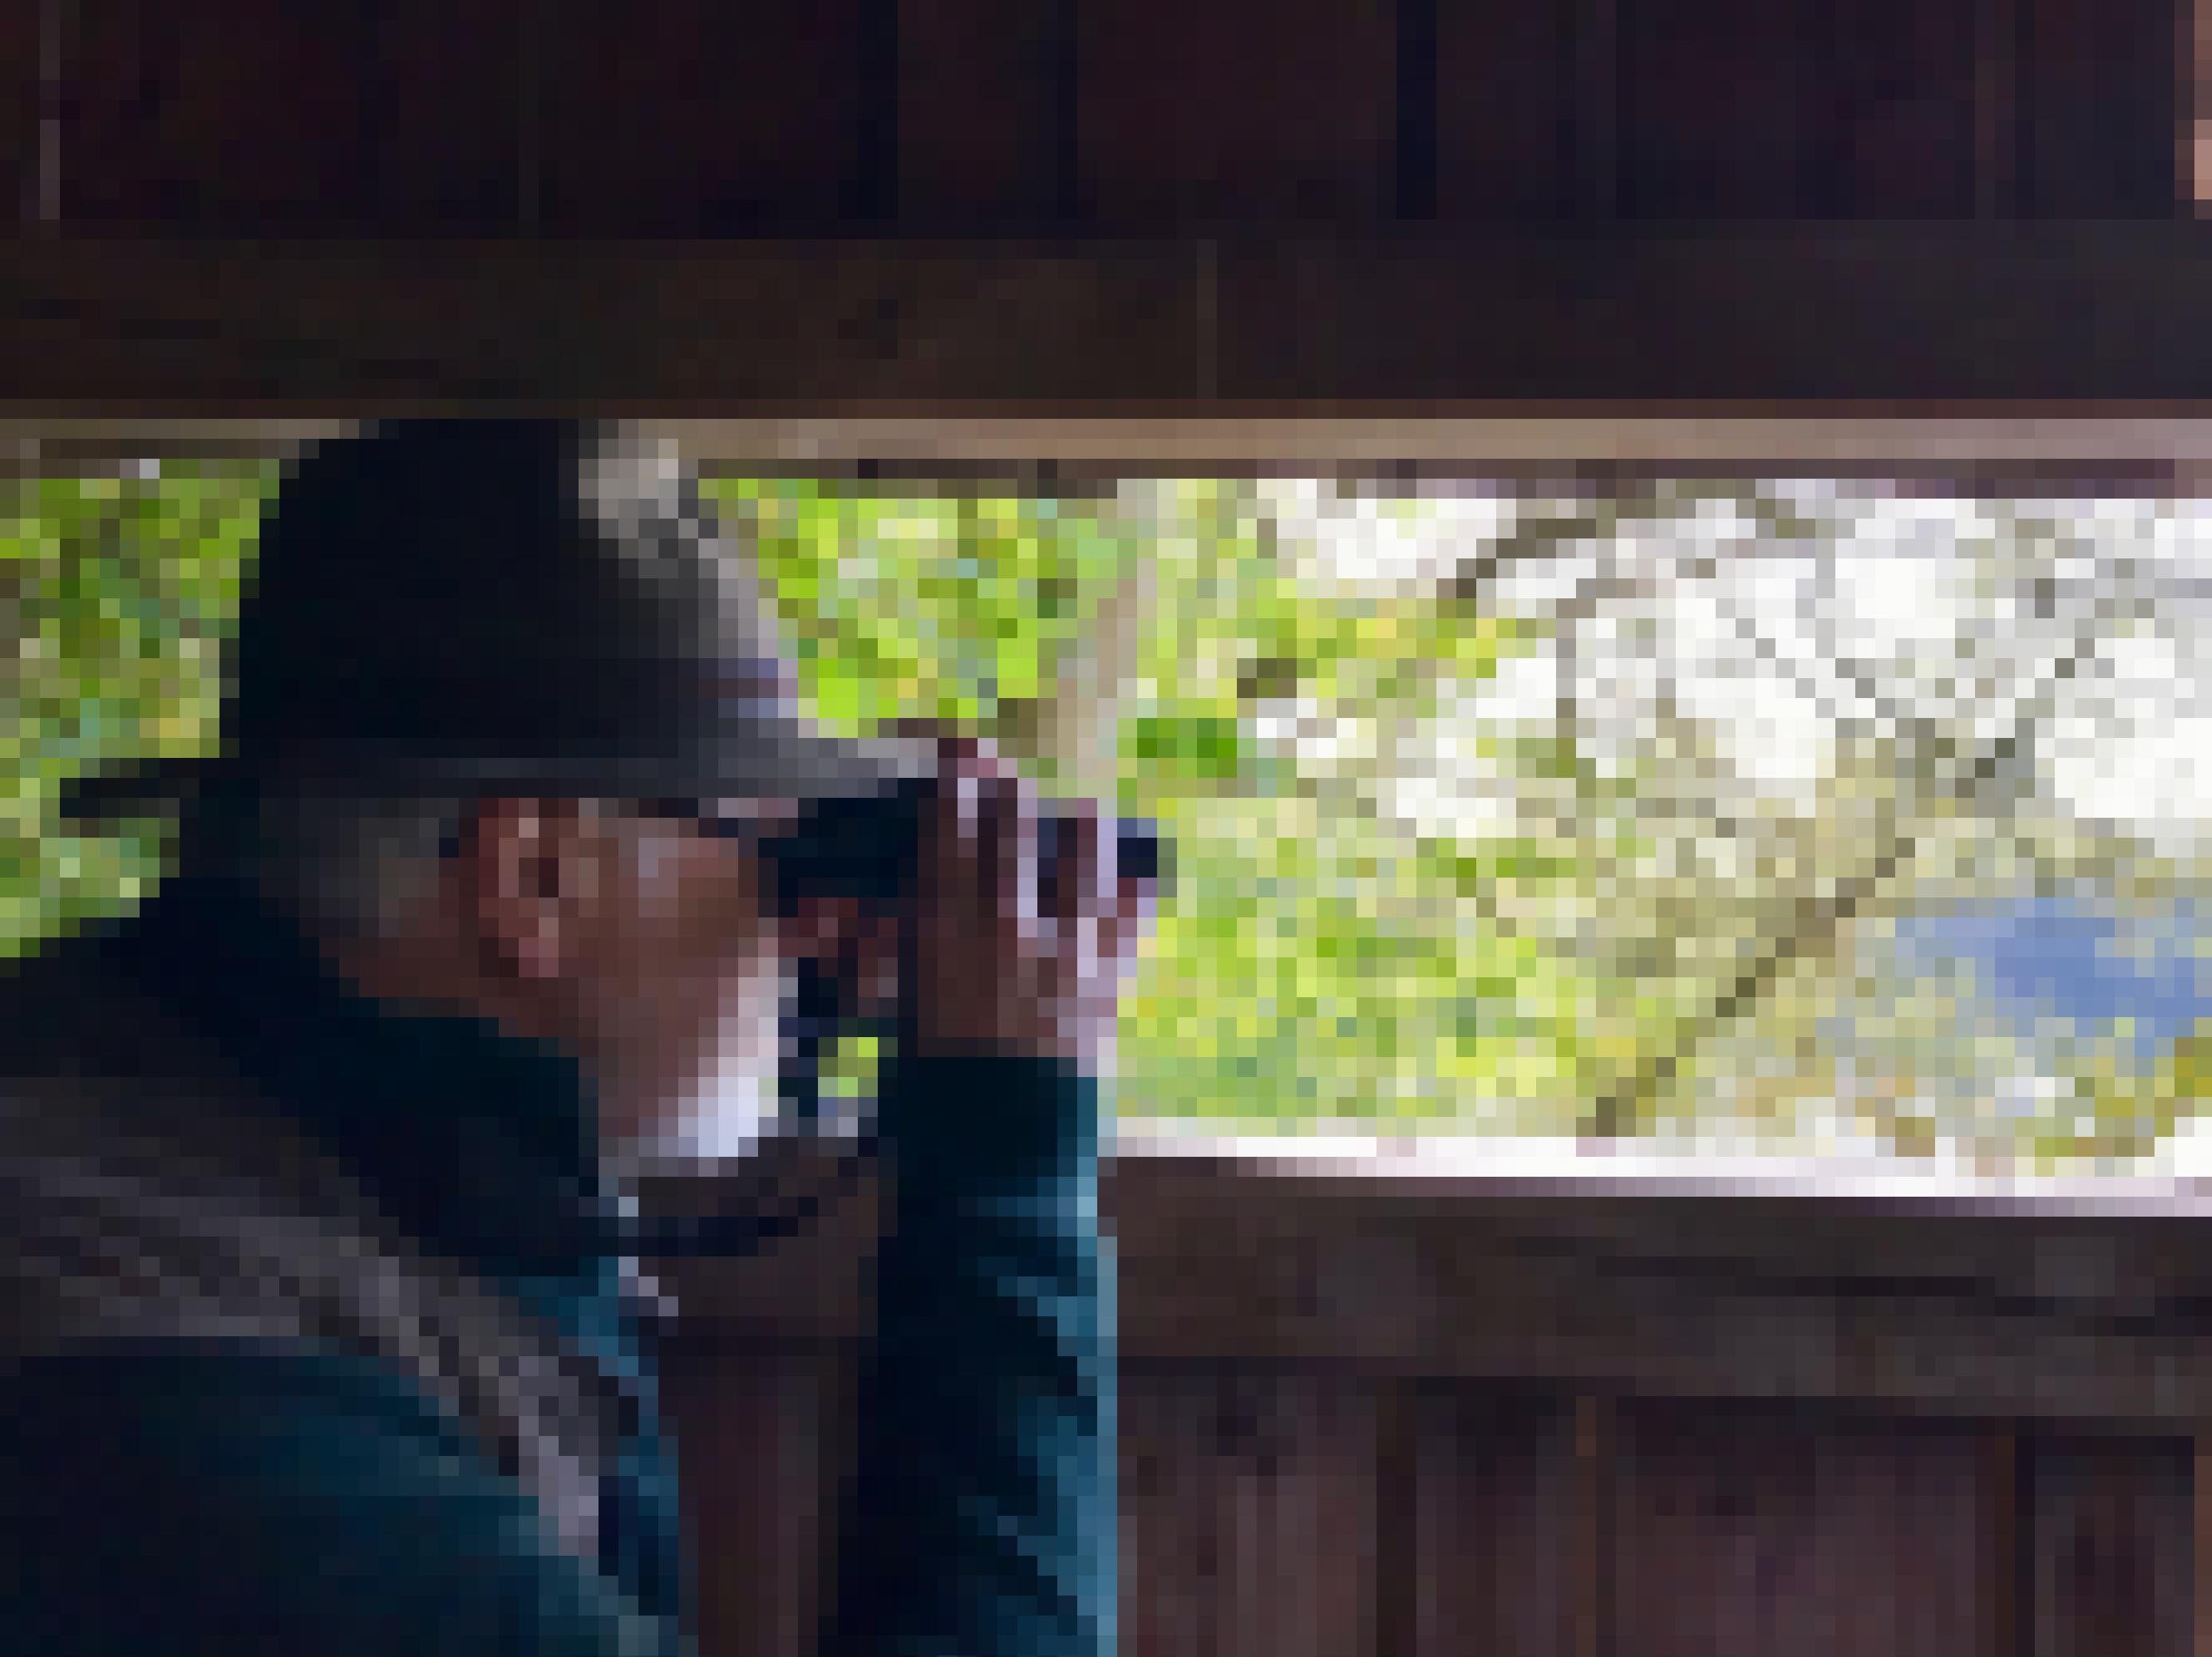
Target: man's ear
521 861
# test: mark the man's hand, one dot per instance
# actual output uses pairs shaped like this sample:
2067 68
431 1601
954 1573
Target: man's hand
997 965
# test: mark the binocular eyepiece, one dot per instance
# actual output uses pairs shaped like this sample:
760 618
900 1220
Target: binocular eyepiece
869 848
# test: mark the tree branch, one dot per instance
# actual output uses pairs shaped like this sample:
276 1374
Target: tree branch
1617 1110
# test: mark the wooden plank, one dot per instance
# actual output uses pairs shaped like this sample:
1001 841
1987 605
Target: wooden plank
1635 318
1167 1602
1997 127
260 125
2099 87
1196 112
980 95
1897 135
752 1430
687 117
1598 78
2110 455
870 192
1860 108
2113 1557
2005 1560
1978 1312
1397 1592
1248 1514
1715 99
2201 1546
389 327
448 115
1948 318
1753 1532
393 119
1734 109
1560 1302
25 31
1414 112
1504 110
1597 1465
1495 1516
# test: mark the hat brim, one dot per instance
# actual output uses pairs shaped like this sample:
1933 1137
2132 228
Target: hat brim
773 761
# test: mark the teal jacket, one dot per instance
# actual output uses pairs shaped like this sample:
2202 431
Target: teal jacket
161 1494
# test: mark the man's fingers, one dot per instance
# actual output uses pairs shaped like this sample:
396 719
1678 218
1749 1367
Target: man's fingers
1013 856
1083 885
1010 961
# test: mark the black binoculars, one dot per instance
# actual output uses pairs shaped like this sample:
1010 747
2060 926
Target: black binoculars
868 848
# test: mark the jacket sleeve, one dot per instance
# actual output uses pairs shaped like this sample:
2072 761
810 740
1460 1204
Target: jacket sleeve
980 1519
236 1502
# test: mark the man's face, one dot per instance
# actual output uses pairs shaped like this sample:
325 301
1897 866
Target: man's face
653 939
686 972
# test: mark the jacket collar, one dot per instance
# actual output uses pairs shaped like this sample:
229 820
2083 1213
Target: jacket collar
482 1145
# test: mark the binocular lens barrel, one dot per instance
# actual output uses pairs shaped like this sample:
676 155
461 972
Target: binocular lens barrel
868 848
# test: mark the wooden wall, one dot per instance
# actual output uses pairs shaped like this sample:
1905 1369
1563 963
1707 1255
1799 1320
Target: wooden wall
692 117
1333 1444
1488 1418
1282 1512
1064 208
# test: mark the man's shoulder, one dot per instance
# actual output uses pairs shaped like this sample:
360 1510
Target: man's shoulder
240 1498
133 1163
217 1410
151 1201
259 1433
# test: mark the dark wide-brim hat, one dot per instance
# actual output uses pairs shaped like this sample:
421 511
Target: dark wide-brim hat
467 606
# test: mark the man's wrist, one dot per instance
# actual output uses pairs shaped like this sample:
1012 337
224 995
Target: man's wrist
993 1112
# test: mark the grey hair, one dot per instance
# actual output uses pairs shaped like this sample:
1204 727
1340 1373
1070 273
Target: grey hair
354 867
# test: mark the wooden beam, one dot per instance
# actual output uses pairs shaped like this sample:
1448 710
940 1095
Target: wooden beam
1597 1473
2124 448
1397 1587
2063 1305
2003 1543
2201 1549
1997 108
1595 74
2099 109
2040 319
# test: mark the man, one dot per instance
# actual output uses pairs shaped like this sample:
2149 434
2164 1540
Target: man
314 1335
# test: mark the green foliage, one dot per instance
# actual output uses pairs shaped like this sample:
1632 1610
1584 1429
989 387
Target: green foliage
1276 987
120 590
921 606
1315 959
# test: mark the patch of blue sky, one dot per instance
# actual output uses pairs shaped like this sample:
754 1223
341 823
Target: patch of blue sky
2045 959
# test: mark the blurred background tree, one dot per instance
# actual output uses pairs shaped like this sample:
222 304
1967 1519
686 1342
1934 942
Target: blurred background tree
1557 815
119 590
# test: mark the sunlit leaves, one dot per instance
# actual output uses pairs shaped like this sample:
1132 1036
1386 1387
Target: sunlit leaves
119 590
1457 837
924 602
